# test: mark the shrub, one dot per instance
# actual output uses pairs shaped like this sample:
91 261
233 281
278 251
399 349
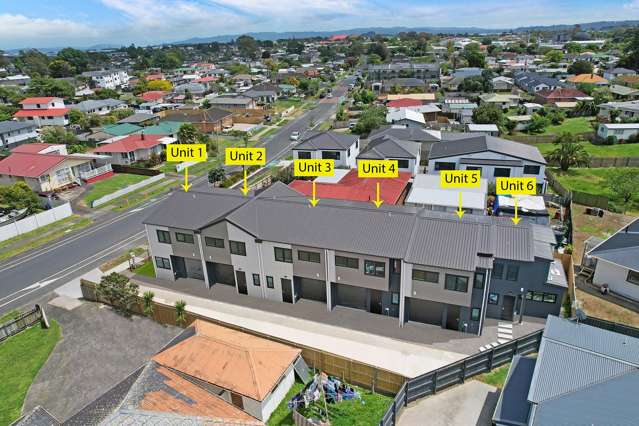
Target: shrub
148 303
118 291
180 312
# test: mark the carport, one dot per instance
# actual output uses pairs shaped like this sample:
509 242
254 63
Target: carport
310 289
424 311
351 296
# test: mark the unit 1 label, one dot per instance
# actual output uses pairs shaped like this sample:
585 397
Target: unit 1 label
377 169
516 186
193 152
459 178
314 167
245 156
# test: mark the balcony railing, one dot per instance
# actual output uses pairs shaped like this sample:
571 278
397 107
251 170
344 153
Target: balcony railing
96 172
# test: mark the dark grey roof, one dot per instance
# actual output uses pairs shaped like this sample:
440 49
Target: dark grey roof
12 126
222 100
415 134
37 417
491 162
456 145
513 406
327 141
138 117
389 147
622 248
92 104
211 115
404 82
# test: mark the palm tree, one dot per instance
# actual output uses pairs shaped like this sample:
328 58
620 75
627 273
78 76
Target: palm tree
148 303
187 133
180 312
569 152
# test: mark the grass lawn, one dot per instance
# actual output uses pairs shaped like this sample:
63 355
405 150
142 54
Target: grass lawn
570 125
283 122
146 269
141 195
282 415
286 103
601 308
26 353
619 150
270 132
496 378
121 259
112 184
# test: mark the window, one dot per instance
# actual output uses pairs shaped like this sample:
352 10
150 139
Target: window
377 269
164 236
304 155
633 277
529 295
550 297
441 165
456 283
162 262
237 247
532 170
478 282
428 276
477 168
493 298
283 255
402 164
395 298
538 296
474 314
347 262
502 172
269 282
184 238
256 280
512 272
331 155
308 256
498 270
214 242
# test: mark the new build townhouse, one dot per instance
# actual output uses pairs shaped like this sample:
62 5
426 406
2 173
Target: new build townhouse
404 262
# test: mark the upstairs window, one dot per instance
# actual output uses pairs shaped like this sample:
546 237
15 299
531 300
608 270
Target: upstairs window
426 276
283 255
456 283
164 236
237 247
184 238
347 262
376 269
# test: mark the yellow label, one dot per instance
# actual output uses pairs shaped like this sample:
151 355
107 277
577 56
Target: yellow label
459 178
314 167
245 156
377 169
193 152
516 186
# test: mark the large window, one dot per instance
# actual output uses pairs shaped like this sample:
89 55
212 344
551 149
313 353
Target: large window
512 272
331 155
402 164
283 255
442 165
347 262
456 283
308 256
502 172
256 280
162 262
376 269
304 155
532 170
550 297
214 242
184 238
633 277
164 236
427 276
498 270
237 247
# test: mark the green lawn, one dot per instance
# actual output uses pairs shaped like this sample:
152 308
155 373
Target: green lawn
269 132
496 378
619 150
25 353
146 269
286 103
112 184
570 125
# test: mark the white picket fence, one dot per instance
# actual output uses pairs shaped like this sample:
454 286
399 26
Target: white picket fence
128 189
35 221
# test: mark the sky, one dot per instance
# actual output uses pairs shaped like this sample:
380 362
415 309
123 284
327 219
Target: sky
81 23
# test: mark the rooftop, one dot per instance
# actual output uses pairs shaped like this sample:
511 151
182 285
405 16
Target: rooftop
622 248
455 144
29 165
130 143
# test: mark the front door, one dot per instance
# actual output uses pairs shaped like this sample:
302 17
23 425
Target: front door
376 302
507 307
452 317
287 291
179 267
241 282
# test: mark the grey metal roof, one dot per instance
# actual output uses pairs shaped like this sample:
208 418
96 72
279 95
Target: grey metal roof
513 406
37 417
389 147
415 134
327 141
622 248
220 100
138 117
12 126
475 143
92 104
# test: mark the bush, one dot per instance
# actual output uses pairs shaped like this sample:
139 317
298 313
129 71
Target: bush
118 291
610 140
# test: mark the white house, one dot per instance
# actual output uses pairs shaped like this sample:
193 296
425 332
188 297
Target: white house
340 147
108 79
618 261
100 106
15 132
406 116
407 153
427 192
43 111
621 131
485 129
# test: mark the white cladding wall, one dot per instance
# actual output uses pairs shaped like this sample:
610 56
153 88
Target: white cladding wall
615 276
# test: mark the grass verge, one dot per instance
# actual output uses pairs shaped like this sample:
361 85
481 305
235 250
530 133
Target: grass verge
496 378
138 197
605 151
146 269
121 259
107 186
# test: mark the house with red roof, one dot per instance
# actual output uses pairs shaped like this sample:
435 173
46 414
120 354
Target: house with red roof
153 96
560 94
338 37
133 148
44 111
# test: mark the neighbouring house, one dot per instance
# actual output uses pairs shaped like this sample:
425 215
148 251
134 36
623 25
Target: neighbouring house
108 79
133 148
587 79
424 98
43 111
398 261
503 84
13 133
621 131
618 261
560 94
342 148
196 90
427 192
264 93
430 72
405 116
407 153
533 83
629 110
614 73
521 121
206 120
503 101
532 107
428 111
346 185
582 375
15 80
140 119
425 137
624 93
399 84
494 157
100 107
48 167
154 96
120 129
486 129
225 102
529 207
460 108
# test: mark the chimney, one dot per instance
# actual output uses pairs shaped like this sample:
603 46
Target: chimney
142 135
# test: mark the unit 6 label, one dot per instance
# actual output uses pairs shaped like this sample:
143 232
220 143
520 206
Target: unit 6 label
516 186
459 178
314 167
245 156
377 169
192 152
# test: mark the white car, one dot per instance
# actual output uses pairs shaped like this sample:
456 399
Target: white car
295 136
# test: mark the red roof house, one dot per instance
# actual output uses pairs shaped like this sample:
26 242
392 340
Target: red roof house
560 94
153 95
338 37
404 103
38 100
43 111
132 148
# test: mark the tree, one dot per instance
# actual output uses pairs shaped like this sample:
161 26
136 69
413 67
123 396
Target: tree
32 62
630 58
556 116
340 115
148 303
554 56
78 59
44 86
57 135
20 196
569 152
476 84
118 291
371 118
581 67
122 113
473 56
216 175
488 114
206 104
61 68
586 108
107 94
247 46
537 124
187 133
180 312
624 184
379 48
163 85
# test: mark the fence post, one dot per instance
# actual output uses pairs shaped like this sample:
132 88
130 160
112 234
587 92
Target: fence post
463 371
490 359
435 382
406 394
394 412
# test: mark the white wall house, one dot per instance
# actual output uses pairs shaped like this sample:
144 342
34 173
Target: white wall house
43 111
111 79
342 148
427 192
621 131
13 133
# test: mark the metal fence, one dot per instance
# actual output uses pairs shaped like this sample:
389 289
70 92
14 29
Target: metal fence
23 321
612 326
432 382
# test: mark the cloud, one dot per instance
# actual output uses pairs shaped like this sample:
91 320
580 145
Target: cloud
21 31
632 6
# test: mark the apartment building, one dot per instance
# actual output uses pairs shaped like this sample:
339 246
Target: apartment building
429 72
404 262
108 79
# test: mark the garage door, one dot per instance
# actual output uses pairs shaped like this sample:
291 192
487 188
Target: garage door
425 311
312 289
351 296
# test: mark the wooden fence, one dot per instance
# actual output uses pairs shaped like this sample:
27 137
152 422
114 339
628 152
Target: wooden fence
348 370
535 139
117 168
599 162
23 321
579 197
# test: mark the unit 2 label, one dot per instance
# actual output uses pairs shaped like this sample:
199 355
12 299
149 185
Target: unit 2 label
314 167
459 178
192 152
516 186
377 169
245 156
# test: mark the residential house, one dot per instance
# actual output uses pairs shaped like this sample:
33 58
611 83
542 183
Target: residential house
424 98
406 117
399 84
621 131
533 83
206 120
108 79
407 153
460 108
154 96
428 193
614 73
628 110
532 107
582 375
429 111
521 121
494 157
464 73
13 133
500 100
430 72
133 148
624 93
140 119
485 129
341 147
503 84
527 207
43 111
100 107
425 137
618 261
196 90
558 95
587 79
15 80
398 261
227 102
264 93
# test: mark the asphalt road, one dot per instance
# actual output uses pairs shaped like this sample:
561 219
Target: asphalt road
27 277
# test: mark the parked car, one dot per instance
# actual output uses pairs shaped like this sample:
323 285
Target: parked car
295 136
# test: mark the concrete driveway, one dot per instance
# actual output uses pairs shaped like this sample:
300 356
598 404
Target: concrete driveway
470 404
